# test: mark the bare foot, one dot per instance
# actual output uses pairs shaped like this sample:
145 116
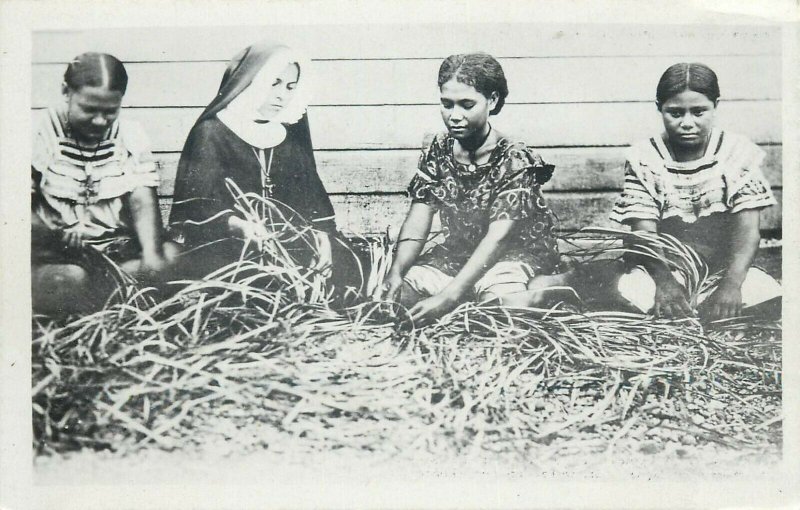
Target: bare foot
543 290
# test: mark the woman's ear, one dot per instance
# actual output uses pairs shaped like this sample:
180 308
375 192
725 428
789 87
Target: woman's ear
658 106
494 97
65 90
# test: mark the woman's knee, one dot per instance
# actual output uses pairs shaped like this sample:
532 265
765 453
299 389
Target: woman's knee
55 277
61 288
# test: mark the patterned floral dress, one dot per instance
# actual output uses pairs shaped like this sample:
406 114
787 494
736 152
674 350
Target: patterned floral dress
468 198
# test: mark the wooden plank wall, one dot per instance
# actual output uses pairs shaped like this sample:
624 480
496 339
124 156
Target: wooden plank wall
580 94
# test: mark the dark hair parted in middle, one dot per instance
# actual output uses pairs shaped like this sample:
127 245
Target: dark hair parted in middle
96 70
684 76
479 70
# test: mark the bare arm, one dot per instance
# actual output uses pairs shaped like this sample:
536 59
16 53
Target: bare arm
42 236
44 239
670 298
485 255
41 233
413 235
726 301
657 269
143 205
745 236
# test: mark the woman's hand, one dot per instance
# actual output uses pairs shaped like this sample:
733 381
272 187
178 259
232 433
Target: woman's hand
73 240
670 299
725 302
389 289
433 307
152 264
247 230
413 234
149 268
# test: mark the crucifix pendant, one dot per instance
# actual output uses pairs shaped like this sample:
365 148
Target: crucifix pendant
91 183
268 187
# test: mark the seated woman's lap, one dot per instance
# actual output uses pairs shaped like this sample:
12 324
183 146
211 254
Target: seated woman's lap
505 277
62 288
64 281
638 288
348 271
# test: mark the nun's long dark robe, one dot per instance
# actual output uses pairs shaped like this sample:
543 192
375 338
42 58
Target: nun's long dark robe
214 153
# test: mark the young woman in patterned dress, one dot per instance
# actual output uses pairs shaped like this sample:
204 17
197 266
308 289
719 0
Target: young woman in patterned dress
485 186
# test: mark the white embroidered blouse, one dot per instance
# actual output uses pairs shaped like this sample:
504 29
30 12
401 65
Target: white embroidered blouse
81 189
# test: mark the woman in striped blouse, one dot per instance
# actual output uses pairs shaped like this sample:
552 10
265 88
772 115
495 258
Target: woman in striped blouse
93 186
704 186
700 184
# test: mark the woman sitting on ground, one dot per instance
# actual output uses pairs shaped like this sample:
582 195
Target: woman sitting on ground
93 187
702 185
486 187
255 133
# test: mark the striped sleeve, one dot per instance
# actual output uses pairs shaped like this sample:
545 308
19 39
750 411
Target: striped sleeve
753 193
140 167
51 175
635 202
747 186
43 142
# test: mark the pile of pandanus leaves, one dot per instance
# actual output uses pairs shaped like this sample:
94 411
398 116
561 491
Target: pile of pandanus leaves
255 356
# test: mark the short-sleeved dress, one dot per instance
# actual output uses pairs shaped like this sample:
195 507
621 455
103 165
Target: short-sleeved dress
693 200
81 189
468 198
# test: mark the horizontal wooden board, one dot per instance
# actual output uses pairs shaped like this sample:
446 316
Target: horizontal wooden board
390 171
377 40
393 127
375 214
413 81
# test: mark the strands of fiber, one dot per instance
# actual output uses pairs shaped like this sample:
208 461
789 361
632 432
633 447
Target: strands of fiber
254 356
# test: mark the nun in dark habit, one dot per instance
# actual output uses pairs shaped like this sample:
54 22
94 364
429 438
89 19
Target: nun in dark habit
255 133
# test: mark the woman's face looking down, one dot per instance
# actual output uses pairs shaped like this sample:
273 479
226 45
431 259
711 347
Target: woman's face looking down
280 91
91 111
465 111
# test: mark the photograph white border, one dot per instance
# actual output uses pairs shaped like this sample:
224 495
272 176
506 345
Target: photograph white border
361 490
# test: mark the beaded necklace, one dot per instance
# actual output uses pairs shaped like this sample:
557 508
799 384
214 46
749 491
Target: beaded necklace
473 161
88 166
